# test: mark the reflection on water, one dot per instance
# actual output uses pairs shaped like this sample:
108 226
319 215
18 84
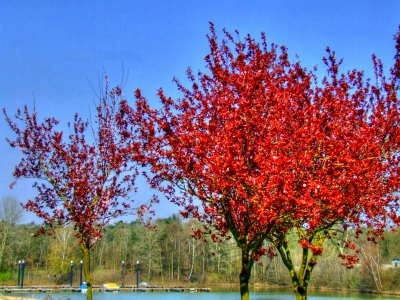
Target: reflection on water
217 293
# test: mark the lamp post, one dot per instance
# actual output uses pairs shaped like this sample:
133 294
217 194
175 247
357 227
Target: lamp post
137 275
71 274
19 273
22 273
80 274
123 273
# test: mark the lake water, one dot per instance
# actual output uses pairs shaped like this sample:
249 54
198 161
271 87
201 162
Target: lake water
272 294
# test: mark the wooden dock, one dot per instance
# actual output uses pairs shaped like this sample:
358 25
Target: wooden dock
60 289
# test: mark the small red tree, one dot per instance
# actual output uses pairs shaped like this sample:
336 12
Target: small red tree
267 149
80 181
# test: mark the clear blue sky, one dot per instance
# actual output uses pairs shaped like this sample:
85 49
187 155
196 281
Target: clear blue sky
51 50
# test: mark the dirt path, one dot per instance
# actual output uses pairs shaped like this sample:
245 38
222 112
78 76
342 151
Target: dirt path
2 297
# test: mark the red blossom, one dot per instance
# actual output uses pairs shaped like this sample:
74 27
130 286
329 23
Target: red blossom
258 146
79 182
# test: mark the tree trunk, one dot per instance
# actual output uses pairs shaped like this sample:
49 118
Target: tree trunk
86 271
5 232
245 274
161 267
100 255
192 259
244 288
172 265
179 261
299 284
301 294
301 278
203 264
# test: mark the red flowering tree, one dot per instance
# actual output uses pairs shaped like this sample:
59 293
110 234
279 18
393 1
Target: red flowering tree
258 148
339 168
79 180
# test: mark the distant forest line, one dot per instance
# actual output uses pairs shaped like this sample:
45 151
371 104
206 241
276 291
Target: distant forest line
169 254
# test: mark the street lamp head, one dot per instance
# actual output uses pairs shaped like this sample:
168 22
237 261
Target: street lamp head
81 261
72 262
137 262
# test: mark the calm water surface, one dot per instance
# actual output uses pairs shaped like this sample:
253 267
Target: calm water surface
273 294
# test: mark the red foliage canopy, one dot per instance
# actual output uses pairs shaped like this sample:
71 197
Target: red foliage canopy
79 181
266 147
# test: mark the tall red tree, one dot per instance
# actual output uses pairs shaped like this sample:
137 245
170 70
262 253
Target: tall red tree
80 180
265 148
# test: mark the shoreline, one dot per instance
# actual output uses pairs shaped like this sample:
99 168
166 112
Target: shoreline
311 288
7 296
